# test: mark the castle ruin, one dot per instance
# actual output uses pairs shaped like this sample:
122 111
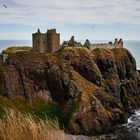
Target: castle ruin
50 42
72 43
117 44
46 42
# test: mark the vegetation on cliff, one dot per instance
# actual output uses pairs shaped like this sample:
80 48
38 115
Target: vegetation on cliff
15 49
16 125
89 92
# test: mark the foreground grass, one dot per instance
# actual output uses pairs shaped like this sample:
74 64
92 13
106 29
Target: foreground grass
17 126
22 120
40 109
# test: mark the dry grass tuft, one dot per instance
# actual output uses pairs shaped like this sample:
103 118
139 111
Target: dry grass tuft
120 53
18 126
103 53
81 51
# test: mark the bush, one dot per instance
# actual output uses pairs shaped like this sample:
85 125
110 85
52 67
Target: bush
51 112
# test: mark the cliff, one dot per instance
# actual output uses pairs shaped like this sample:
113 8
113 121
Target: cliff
97 89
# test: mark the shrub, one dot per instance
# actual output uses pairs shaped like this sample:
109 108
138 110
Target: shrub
50 111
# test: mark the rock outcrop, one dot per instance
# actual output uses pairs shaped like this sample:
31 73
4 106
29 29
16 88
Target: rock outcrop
102 86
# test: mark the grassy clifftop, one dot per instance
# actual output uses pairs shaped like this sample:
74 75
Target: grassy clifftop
15 49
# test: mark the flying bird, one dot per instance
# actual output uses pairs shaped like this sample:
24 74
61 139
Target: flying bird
4 5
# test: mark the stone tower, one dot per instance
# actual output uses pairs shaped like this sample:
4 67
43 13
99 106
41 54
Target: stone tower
46 42
53 40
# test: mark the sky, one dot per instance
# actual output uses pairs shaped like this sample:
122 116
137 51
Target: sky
92 19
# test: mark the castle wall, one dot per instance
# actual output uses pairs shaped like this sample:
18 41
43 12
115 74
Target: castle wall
116 44
101 46
46 42
53 42
39 42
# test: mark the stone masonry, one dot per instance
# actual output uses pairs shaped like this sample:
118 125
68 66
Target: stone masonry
110 45
46 42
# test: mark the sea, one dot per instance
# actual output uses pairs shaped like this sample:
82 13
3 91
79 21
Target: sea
130 130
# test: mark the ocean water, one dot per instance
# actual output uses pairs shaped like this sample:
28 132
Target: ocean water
133 126
134 48
8 43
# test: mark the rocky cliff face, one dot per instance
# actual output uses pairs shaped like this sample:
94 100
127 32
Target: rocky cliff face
102 86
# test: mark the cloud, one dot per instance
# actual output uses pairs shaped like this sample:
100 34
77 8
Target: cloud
41 12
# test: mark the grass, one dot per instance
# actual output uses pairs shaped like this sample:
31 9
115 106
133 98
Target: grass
18 126
54 112
22 120
60 50
51 111
15 49
101 53
43 124
42 111
120 53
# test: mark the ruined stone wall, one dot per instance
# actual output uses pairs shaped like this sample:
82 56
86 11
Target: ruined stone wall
118 45
110 45
101 46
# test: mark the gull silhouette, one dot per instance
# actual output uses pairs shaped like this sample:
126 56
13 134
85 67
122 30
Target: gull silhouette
4 5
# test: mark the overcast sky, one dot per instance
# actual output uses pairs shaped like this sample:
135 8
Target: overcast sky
93 19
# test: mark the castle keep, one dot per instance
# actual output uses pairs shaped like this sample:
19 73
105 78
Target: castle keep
46 42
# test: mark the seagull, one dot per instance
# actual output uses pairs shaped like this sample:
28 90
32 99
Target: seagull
4 5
